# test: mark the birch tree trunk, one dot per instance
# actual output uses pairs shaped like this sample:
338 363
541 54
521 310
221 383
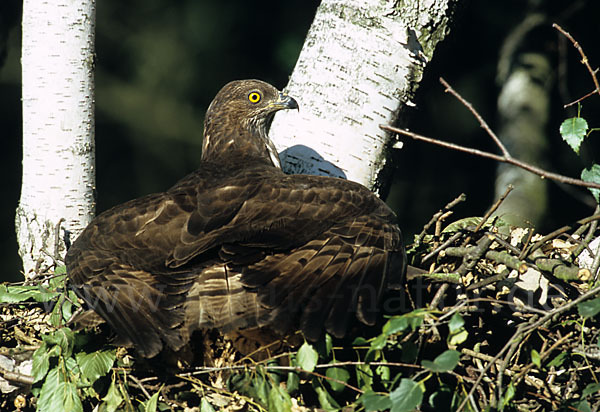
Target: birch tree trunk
58 128
360 65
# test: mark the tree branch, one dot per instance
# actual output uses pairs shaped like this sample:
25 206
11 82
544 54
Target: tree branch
584 61
504 158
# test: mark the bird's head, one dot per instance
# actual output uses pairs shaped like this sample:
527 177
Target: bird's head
238 120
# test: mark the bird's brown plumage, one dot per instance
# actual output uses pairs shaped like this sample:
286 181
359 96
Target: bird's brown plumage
238 244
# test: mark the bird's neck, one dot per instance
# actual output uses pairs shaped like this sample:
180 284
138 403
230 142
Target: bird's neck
247 140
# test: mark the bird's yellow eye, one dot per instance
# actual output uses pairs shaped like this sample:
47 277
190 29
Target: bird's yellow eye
254 97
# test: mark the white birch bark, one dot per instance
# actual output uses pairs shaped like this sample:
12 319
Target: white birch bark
360 65
58 127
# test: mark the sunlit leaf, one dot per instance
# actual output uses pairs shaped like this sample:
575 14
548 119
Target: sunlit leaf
592 175
152 403
535 358
95 364
307 357
406 397
573 132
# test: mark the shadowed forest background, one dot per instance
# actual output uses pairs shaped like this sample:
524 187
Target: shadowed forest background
160 63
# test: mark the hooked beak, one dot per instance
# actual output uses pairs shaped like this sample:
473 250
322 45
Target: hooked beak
284 102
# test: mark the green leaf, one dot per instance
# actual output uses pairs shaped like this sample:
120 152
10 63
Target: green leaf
374 402
205 406
113 398
589 308
60 270
591 388
46 400
406 397
364 376
592 175
326 400
340 374
535 358
573 132
456 323
458 333
509 394
151 404
307 357
583 406
395 325
379 342
41 362
64 338
68 398
558 360
443 363
96 364
455 339
293 382
279 400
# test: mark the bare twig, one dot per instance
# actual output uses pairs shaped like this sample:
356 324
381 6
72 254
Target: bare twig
504 158
584 61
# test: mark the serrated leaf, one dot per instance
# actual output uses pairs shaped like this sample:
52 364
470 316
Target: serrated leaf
589 308
406 397
535 358
96 364
340 374
592 175
573 132
445 362
307 357
41 362
374 402
591 388
113 399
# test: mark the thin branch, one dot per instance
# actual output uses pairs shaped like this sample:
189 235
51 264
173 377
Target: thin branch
584 61
482 122
522 330
544 174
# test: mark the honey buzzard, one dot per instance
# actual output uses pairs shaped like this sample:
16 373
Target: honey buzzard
238 244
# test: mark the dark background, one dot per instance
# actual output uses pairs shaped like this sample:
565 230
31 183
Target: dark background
159 63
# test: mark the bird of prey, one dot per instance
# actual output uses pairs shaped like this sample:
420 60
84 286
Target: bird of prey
238 244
